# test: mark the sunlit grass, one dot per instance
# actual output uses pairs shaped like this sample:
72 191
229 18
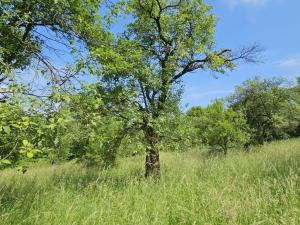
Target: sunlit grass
261 187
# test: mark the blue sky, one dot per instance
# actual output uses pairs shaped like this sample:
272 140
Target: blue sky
274 24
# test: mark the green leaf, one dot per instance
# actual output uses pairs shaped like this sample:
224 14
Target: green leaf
25 142
6 129
29 155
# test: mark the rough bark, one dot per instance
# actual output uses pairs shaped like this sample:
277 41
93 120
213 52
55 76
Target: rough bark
152 162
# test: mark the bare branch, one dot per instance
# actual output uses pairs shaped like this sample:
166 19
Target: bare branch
250 54
246 54
144 97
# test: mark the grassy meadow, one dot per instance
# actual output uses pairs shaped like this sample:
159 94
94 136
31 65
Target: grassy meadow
261 187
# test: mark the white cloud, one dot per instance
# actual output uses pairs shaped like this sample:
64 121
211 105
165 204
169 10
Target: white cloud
291 62
257 3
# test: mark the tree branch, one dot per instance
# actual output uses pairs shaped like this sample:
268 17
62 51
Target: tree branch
144 97
246 54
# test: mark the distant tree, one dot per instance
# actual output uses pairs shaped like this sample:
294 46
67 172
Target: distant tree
200 121
220 128
269 107
294 125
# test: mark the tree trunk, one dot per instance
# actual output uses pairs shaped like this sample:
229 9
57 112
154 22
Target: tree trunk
225 151
152 163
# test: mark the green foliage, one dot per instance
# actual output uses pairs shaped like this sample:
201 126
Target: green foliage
270 108
220 128
15 127
23 21
94 134
28 28
28 149
178 134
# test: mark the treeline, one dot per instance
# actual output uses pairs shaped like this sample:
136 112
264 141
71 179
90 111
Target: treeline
80 126
259 111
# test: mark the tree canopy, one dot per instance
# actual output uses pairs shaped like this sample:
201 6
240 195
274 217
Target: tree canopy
32 31
269 106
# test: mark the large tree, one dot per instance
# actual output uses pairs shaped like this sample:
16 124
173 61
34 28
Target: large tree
163 41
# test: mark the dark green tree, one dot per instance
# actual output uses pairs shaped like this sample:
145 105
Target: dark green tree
269 107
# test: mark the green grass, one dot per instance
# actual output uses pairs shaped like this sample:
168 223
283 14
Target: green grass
261 187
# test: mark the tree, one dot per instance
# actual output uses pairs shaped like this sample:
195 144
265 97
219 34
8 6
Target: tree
164 41
225 128
200 120
269 107
218 127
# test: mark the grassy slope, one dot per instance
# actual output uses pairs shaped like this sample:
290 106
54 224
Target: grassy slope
257 188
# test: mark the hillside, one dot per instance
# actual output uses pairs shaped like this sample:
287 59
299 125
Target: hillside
261 187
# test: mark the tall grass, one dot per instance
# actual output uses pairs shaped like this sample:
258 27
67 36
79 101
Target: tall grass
261 187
